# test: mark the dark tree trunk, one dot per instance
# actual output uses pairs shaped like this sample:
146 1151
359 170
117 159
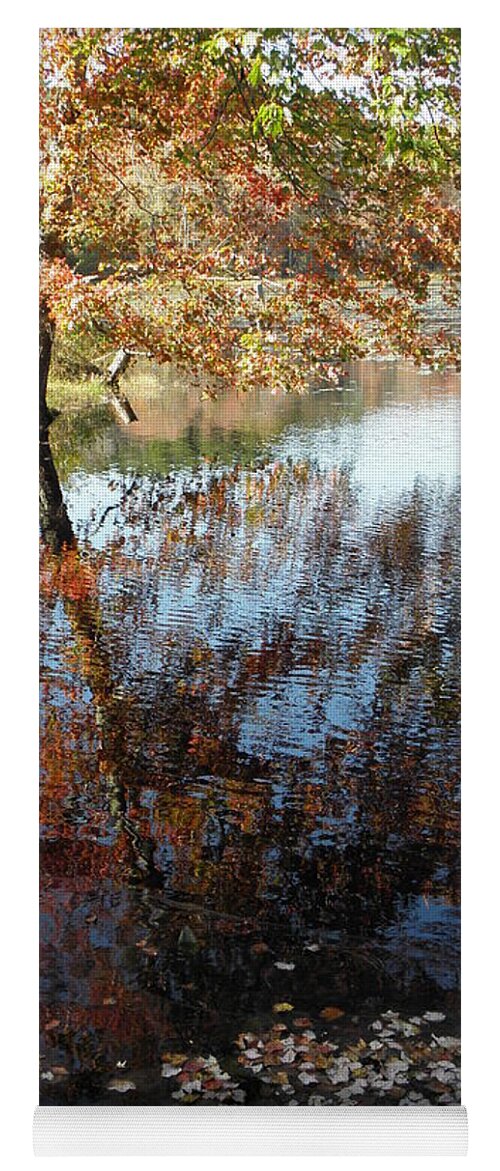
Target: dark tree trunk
54 520
45 342
55 524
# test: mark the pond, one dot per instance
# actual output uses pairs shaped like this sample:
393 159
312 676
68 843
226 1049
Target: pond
250 744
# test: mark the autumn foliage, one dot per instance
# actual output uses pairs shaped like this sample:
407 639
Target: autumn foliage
251 204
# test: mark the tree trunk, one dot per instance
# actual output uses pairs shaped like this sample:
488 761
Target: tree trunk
121 405
54 520
120 401
45 341
55 524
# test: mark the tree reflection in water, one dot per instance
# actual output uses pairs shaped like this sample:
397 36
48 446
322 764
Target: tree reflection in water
250 694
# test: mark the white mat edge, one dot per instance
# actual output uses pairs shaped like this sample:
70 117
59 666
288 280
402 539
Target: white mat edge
250 1130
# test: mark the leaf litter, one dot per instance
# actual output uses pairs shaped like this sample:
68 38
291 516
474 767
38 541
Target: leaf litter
405 1064
392 1060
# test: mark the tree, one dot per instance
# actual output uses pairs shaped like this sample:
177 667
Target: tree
185 171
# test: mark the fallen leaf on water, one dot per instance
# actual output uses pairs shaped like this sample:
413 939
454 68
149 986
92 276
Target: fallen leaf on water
355 1049
284 967
170 1070
283 1006
190 1085
452 1043
434 1016
120 1085
275 1046
302 1022
214 1083
52 1025
259 949
330 1013
322 1061
194 1065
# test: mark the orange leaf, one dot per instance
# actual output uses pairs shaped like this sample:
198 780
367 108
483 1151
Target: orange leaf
331 1013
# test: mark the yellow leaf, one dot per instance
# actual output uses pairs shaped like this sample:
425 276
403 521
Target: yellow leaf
283 1007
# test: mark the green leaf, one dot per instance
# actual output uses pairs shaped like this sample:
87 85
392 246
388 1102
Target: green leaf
390 142
255 75
269 119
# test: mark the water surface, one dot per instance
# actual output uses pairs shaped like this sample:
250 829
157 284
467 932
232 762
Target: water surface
250 718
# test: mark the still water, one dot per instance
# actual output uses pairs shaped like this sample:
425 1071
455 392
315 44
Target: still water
250 745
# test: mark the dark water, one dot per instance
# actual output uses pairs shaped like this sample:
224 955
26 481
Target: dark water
250 744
